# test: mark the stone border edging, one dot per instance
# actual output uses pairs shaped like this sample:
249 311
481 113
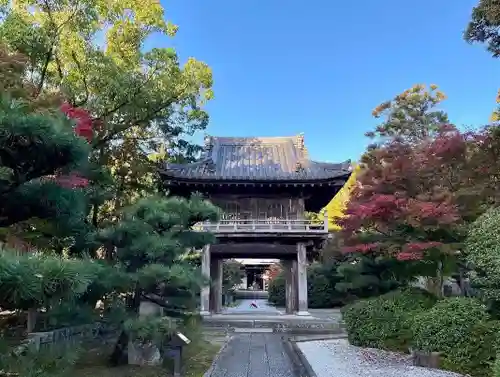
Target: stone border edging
208 373
302 366
63 334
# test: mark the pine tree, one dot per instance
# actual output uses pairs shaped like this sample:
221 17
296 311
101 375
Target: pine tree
39 154
150 244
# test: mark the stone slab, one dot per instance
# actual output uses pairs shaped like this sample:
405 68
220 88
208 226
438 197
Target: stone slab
253 330
253 355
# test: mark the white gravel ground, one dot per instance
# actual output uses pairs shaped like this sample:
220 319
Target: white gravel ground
337 358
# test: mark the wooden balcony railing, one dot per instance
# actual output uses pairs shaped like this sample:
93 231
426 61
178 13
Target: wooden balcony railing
264 226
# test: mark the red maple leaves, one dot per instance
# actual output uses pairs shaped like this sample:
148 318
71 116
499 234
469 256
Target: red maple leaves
83 128
406 195
412 197
82 118
273 271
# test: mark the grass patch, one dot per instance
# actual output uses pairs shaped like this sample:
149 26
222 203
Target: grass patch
93 362
199 358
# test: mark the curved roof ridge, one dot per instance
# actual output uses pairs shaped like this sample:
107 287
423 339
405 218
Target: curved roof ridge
252 139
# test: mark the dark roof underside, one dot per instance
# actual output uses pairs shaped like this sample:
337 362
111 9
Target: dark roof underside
256 159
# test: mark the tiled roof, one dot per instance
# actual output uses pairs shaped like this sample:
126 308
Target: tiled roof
256 158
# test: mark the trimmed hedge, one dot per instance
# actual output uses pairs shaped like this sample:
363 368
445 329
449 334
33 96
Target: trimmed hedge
459 328
386 321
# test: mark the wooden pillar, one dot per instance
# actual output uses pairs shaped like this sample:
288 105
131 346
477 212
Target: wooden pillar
205 290
290 268
216 285
302 279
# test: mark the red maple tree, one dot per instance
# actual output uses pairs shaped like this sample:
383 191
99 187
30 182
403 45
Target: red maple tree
273 271
403 204
421 184
406 202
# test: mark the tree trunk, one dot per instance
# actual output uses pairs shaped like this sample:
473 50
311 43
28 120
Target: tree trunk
435 284
120 352
31 320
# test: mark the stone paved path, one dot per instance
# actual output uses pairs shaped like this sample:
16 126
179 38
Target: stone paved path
254 355
243 307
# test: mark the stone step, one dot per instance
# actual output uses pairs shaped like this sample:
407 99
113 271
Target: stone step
277 326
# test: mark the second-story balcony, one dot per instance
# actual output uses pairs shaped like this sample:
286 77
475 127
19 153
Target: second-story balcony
239 226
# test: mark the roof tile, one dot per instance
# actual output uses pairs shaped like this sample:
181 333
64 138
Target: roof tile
256 158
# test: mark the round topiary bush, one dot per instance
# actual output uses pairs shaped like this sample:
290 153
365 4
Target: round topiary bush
458 328
385 321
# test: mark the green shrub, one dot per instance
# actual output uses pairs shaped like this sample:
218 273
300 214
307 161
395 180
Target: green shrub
458 328
496 366
482 252
276 290
385 321
475 354
321 292
321 281
439 329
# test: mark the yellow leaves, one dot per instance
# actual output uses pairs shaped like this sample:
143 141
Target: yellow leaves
418 88
417 93
172 29
377 112
439 96
338 204
197 77
209 94
124 40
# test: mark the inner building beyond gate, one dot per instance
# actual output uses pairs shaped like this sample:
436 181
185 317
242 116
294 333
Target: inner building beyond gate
255 273
265 187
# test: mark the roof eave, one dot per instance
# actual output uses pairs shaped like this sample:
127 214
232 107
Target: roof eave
220 180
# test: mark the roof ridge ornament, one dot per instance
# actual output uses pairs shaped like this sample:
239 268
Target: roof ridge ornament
208 144
347 165
300 141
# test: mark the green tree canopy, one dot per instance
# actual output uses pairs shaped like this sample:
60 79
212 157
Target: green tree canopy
483 26
141 100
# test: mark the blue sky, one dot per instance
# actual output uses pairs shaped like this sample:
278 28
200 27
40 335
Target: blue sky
321 66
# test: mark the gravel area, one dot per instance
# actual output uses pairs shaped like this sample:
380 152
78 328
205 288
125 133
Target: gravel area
337 358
